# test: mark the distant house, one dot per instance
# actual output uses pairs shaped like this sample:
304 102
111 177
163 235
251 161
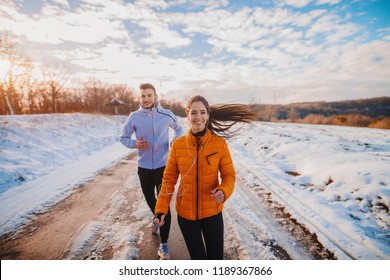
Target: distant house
116 103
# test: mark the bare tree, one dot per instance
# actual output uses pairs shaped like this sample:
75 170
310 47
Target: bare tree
16 82
96 95
7 53
27 86
55 80
292 114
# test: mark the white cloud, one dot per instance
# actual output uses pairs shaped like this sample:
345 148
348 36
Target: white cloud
331 2
55 25
213 4
62 3
161 35
349 71
384 33
366 62
283 16
160 4
332 29
295 3
207 5
115 63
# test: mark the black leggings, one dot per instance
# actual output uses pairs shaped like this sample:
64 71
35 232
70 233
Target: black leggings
212 230
151 180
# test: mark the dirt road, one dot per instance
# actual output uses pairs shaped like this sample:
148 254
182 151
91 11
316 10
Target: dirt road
108 218
100 220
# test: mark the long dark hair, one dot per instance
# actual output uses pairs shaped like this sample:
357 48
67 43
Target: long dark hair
222 117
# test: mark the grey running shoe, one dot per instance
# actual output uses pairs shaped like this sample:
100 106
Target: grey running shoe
155 228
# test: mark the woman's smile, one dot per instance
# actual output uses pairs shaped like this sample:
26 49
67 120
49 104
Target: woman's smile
198 117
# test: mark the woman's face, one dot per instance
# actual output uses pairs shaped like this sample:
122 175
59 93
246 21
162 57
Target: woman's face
198 117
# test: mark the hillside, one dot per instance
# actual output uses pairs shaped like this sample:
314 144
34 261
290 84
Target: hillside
373 112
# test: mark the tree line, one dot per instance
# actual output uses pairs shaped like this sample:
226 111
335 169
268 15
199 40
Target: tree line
372 112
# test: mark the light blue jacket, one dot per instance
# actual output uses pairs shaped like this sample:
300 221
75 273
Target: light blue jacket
153 125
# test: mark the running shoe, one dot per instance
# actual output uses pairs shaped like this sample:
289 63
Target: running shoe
155 228
163 252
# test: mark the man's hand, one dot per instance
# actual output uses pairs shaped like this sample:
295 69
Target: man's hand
142 144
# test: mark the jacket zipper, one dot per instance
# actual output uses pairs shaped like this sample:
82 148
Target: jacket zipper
151 116
197 177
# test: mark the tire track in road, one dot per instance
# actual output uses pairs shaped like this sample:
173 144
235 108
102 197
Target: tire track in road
253 220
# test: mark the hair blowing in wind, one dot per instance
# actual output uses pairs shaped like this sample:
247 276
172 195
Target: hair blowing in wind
222 117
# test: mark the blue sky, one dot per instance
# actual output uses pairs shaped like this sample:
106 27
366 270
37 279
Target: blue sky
270 51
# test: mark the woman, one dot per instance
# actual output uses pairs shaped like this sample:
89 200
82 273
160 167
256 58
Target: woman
199 157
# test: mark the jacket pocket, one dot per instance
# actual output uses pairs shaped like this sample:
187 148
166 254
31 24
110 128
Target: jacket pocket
209 156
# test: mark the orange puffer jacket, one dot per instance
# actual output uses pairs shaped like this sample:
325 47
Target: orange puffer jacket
198 160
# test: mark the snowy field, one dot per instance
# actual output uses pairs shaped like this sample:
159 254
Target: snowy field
333 179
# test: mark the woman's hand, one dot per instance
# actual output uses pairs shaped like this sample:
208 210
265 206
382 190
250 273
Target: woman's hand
159 220
218 196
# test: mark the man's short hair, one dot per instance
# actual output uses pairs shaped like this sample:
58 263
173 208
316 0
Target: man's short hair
147 86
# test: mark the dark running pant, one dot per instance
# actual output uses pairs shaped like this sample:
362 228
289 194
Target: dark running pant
212 230
151 180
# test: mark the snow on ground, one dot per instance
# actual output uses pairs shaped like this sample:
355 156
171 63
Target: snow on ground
335 180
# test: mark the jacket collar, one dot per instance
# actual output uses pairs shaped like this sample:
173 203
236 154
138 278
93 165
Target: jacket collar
194 139
156 108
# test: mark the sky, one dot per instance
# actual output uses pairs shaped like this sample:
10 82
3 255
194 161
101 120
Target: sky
270 51
340 190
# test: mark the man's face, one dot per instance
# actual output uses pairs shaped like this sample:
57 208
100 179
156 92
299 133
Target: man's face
147 98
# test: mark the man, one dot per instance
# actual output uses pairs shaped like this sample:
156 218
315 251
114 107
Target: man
151 123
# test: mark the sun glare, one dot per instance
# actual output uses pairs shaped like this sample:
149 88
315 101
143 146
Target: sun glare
5 66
